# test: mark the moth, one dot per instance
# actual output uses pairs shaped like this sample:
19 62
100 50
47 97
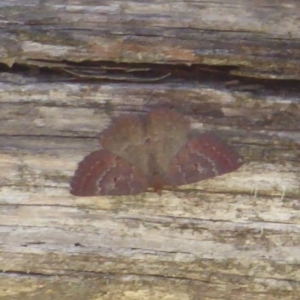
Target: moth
155 152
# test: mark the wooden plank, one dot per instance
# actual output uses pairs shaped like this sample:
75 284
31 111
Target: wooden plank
261 40
234 235
231 237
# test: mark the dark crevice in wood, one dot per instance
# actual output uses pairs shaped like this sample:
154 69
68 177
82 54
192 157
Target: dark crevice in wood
35 274
105 71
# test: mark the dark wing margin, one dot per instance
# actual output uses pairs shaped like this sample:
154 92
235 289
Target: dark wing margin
204 156
104 173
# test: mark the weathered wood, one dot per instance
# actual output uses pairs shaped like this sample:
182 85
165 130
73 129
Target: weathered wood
234 231
236 236
260 38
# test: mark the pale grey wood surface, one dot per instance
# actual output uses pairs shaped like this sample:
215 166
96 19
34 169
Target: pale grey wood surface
261 38
231 237
236 234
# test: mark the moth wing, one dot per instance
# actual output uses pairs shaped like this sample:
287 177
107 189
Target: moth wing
126 138
167 133
204 156
104 173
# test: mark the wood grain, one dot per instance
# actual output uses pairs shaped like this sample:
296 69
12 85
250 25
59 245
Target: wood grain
260 38
218 236
235 236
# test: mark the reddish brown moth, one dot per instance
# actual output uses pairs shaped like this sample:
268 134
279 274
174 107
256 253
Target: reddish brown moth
157 151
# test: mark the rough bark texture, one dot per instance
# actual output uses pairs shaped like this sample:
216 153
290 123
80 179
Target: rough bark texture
68 67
